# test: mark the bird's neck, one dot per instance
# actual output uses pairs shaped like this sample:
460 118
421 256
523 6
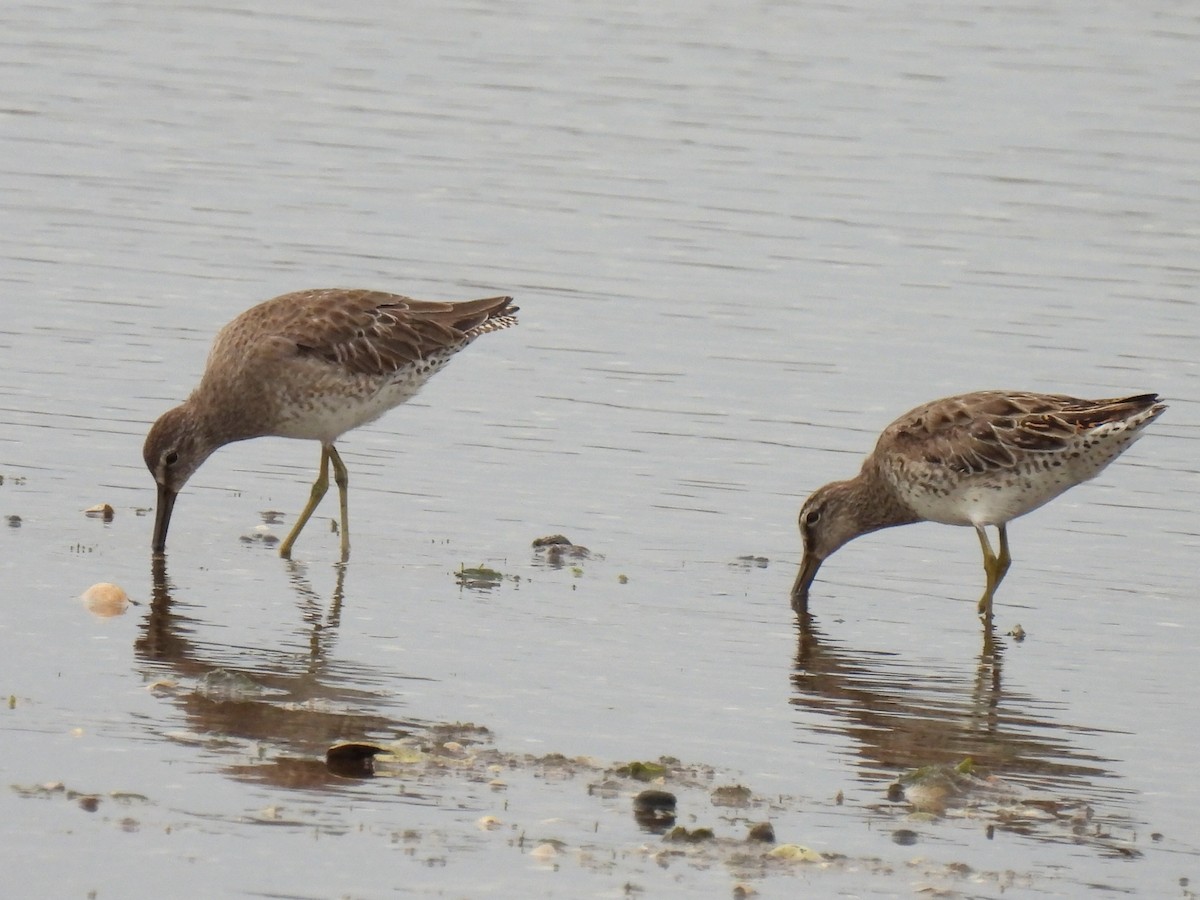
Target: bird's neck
875 502
218 421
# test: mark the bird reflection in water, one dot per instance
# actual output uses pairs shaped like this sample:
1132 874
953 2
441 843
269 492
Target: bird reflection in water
299 701
898 715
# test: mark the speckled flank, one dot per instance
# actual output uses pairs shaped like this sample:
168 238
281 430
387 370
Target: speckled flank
975 459
1013 476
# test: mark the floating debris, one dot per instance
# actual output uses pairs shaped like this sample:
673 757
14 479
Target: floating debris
552 540
556 550
1017 633
100 511
14 521
105 600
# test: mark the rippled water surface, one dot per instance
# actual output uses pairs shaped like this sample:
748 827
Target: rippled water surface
743 239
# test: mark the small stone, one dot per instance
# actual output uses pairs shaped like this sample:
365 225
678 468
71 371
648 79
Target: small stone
763 832
652 798
654 808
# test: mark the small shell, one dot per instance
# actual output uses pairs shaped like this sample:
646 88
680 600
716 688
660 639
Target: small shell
100 511
105 600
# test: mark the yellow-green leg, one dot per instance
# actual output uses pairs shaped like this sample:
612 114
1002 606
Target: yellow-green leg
994 565
342 477
320 486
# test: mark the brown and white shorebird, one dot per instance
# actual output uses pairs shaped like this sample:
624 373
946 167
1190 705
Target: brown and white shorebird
975 459
311 365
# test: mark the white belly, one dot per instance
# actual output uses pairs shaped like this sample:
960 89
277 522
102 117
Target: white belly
326 409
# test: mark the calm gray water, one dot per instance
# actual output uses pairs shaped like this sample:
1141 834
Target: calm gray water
744 238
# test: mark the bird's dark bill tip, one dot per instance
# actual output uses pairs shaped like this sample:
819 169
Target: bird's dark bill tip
804 579
162 519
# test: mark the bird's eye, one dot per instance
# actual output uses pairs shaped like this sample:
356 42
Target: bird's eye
171 458
812 517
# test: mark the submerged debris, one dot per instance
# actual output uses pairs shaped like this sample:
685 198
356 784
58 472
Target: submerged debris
227 684
732 795
480 577
750 562
681 835
796 853
642 771
260 535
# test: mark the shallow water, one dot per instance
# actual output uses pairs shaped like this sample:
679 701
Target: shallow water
743 239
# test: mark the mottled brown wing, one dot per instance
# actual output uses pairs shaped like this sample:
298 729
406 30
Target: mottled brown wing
375 333
975 433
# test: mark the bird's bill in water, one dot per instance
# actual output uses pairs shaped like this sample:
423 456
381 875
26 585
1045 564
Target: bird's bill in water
804 578
162 517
